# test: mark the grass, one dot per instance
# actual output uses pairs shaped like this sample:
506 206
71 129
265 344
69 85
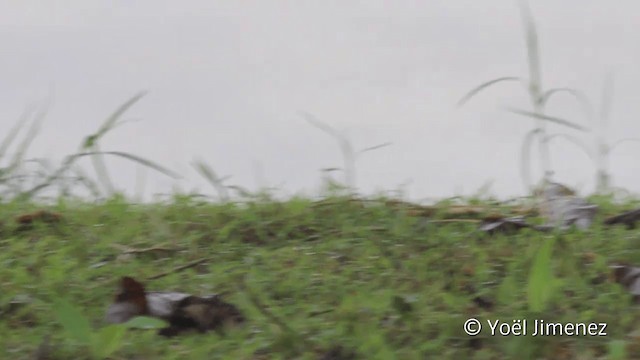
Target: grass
314 275
538 98
349 154
595 146
377 279
18 180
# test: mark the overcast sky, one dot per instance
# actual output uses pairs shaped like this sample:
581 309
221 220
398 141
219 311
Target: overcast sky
227 80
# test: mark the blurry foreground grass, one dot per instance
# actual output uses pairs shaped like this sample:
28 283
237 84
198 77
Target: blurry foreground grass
340 276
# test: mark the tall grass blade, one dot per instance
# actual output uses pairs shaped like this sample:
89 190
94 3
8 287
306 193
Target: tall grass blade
375 147
577 94
603 151
71 159
91 141
482 87
553 119
28 138
607 99
346 148
525 157
13 133
622 141
207 172
321 125
101 169
241 191
533 51
579 143
110 122
140 160
82 178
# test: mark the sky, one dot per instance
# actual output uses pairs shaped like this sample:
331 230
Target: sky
227 82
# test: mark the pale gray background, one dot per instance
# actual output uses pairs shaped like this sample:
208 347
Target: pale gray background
227 80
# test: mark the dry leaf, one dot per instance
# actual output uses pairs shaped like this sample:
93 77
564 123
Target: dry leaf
562 209
508 225
629 277
26 221
628 218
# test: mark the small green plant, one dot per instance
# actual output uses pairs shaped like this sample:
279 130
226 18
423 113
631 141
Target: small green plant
102 342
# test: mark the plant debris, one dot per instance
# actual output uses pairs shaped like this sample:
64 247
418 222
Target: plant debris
508 225
179 268
338 352
483 302
129 250
562 208
628 218
182 311
44 350
26 221
403 305
629 277
16 303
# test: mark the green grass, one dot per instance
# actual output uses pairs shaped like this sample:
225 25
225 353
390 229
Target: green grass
313 275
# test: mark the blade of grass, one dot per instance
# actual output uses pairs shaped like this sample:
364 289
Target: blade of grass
577 94
13 133
28 138
622 141
101 169
575 141
525 157
346 148
82 178
138 159
473 92
207 172
91 141
553 119
533 51
375 147
109 123
607 99
71 159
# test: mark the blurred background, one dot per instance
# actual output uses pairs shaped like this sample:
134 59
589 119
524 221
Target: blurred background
227 82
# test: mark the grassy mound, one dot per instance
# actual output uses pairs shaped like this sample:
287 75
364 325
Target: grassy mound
336 279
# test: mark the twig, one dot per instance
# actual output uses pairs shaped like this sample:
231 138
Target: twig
179 268
129 250
455 220
320 312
